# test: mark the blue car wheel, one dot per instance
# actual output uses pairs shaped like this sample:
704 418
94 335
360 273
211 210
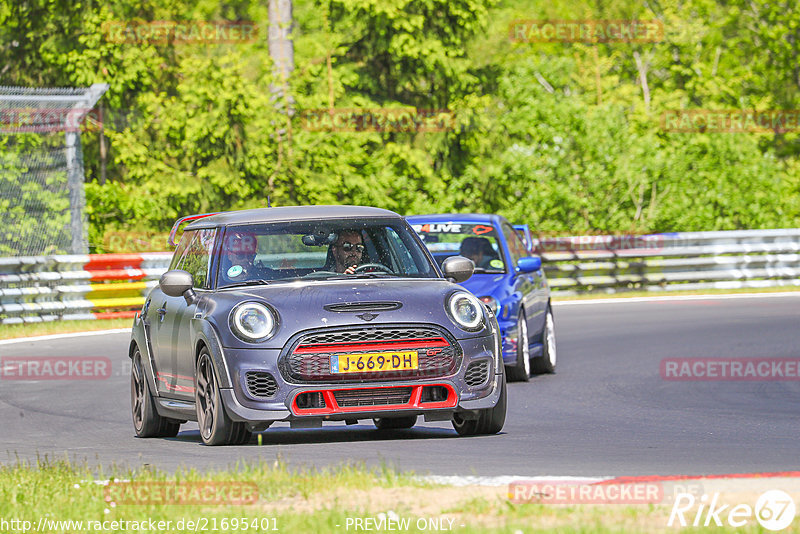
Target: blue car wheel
547 363
522 370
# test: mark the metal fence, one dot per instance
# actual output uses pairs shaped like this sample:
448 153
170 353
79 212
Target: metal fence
672 262
41 169
46 288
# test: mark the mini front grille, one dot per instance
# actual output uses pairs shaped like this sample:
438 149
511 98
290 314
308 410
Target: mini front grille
369 334
372 397
308 359
477 373
261 384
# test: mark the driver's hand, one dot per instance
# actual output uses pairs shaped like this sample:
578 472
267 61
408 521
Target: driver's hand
351 270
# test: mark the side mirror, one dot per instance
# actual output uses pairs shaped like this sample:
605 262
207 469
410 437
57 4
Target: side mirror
177 283
458 268
530 264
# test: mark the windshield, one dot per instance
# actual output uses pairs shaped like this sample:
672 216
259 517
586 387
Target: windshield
319 250
477 242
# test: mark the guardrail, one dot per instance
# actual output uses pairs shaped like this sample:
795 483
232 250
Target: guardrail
672 262
94 286
85 286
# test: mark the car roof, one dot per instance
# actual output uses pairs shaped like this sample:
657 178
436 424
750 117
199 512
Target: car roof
291 213
455 217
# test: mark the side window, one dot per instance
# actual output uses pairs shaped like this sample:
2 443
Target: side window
196 258
521 235
180 251
402 254
515 245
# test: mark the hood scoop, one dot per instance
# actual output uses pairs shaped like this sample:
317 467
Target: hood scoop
364 306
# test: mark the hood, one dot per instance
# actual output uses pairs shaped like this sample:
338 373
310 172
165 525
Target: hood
306 305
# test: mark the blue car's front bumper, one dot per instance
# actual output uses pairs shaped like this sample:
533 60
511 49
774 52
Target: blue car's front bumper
508 330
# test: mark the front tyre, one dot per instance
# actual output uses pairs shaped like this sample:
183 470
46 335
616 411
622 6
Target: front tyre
216 428
146 421
489 421
547 363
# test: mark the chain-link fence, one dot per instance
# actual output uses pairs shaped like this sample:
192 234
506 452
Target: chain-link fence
41 169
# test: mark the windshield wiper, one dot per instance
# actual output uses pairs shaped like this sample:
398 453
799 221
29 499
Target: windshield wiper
248 283
482 270
361 275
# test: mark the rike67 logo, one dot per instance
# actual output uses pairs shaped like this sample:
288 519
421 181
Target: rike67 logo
774 510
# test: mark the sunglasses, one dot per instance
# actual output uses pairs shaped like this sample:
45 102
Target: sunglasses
347 247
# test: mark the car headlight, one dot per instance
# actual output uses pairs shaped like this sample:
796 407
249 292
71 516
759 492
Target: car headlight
490 302
466 311
252 321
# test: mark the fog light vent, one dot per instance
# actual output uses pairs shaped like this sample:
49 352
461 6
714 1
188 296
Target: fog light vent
311 399
434 394
477 373
261 384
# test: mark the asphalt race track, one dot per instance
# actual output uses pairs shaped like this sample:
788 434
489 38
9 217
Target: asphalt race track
607 411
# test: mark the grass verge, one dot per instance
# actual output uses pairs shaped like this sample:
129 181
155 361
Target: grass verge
329 500
10 331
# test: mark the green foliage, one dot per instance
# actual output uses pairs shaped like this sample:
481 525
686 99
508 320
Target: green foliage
559 135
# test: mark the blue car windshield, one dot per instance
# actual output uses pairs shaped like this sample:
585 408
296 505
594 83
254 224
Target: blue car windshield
319 250
478 242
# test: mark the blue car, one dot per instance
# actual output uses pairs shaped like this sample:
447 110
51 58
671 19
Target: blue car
508 278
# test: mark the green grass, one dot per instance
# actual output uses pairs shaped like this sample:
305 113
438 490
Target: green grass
300 500
9 331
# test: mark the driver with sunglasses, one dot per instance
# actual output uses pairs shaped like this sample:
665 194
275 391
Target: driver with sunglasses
348 251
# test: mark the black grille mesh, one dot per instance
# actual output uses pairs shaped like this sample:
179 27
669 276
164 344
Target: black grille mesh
372 397
369 334
261 384
477 373
315 367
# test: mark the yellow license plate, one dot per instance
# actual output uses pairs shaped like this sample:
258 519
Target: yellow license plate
374 362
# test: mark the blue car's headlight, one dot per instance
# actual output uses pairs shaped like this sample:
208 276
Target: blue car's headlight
252 321
491 303
466 311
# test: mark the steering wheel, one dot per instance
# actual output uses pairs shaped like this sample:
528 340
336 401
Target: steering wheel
378 266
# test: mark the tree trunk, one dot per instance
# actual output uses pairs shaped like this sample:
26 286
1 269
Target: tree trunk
281 49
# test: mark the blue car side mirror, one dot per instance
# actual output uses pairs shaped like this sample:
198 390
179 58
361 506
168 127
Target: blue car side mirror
530 264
